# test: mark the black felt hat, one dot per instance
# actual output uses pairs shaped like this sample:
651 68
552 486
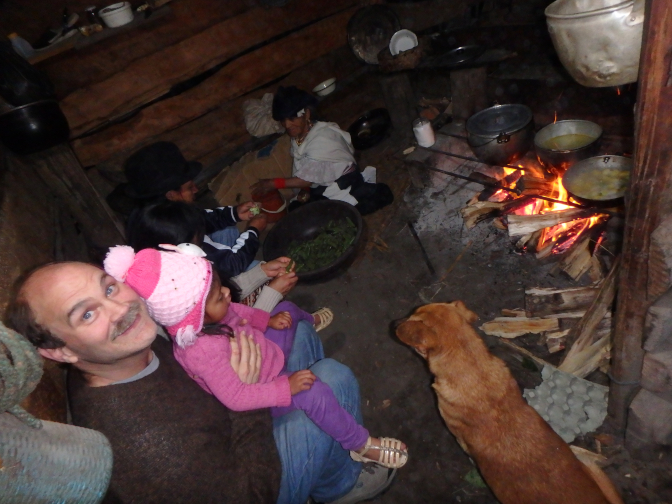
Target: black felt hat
288 101
156 169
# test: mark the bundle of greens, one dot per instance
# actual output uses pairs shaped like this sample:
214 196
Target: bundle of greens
329 244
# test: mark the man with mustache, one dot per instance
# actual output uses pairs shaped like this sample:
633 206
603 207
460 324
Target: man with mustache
172 441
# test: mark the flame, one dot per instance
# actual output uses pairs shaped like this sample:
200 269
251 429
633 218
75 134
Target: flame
618 90
555 118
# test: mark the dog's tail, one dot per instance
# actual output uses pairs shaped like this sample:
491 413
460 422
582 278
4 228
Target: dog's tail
588 460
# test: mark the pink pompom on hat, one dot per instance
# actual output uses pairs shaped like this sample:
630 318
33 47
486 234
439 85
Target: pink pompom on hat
174 284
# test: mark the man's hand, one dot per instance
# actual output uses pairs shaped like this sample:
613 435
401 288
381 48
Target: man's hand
284 283
276 267
244 210
281 320
300 381
262 186
246 359
258 221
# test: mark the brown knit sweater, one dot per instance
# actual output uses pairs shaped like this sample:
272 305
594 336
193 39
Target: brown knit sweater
174 443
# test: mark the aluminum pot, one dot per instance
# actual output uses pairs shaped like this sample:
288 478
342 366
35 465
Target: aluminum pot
599 180
597 41
501 134
557 158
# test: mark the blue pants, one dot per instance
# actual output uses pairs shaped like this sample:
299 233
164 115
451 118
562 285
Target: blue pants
318 402
313 463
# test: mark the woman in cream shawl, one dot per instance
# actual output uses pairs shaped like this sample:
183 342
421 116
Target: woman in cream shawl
324 160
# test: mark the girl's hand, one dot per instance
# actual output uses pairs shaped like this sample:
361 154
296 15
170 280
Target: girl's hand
284 283
276 267
281 320
246 359
244 210
263 185
300 381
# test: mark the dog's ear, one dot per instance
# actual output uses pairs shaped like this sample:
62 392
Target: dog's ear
465 312
414 334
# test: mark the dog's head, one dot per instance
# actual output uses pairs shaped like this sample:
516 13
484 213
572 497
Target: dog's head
429 326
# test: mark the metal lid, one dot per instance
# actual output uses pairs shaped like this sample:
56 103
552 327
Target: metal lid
499 119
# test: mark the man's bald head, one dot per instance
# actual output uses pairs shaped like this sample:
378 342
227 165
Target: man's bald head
75 312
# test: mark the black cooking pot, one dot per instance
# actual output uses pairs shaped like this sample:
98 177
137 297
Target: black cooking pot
501 134
34 127
304 224
370 129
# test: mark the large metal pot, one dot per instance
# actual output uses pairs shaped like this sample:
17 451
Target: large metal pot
599 180
555 154
598 41
34 127
501 134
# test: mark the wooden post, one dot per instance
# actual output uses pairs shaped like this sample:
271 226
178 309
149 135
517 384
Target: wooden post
648 200
467 89
61 172
400 101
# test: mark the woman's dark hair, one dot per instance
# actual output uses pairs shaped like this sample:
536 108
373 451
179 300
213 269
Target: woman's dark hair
171 222
288 101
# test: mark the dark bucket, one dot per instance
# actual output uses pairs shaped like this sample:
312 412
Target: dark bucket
34 127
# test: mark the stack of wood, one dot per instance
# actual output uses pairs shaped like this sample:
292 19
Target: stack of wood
577 320
574 247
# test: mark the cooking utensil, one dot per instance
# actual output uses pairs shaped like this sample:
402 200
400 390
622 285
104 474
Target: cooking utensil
599 179
370 129
370 30
501 134
403 40
34 127
117 14
305 223
598 41
561 144
325 88
455 58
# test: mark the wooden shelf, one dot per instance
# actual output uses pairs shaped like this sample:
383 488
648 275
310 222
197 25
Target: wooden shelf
79 41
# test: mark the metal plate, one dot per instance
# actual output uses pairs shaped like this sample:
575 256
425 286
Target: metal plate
599 178
458 57
370 30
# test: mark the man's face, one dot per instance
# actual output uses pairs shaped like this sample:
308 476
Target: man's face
101 321
187 192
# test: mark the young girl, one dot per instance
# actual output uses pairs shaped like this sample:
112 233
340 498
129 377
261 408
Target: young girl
185 295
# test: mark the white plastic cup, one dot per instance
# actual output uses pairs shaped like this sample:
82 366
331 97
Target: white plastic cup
117 14
424 133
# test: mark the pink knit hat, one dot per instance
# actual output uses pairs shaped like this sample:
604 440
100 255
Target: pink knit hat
174 284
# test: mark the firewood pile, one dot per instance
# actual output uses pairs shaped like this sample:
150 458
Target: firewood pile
577 321
541 219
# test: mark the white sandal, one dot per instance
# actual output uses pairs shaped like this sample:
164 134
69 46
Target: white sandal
391 454
326 318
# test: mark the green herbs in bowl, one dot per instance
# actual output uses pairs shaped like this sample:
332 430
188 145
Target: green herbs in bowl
325 248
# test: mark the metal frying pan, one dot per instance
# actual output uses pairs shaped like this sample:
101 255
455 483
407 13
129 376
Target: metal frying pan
600 179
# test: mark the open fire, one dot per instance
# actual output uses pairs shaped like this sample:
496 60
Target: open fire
555 226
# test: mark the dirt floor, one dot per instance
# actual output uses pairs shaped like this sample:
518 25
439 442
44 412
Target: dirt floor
390 278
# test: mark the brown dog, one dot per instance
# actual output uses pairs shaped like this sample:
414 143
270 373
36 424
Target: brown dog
520 457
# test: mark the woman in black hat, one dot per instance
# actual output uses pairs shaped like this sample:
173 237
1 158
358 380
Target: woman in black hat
324 161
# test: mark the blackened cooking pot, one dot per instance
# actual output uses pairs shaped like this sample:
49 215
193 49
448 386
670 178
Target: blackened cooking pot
34 127
304 224
501 134
561 144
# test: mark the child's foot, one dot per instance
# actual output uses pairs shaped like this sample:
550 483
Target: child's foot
387 452
322 318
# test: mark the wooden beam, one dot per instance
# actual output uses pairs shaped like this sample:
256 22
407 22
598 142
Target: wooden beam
152 76
648 198
237 78
60 170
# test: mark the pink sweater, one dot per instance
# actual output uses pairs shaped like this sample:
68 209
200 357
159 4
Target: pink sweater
208 362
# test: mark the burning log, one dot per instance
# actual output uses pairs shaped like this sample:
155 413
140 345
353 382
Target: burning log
512 327
480 210
520 225
531 184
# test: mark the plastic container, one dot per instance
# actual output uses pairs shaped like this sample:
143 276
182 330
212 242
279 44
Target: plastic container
424 134
21 45
117 14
